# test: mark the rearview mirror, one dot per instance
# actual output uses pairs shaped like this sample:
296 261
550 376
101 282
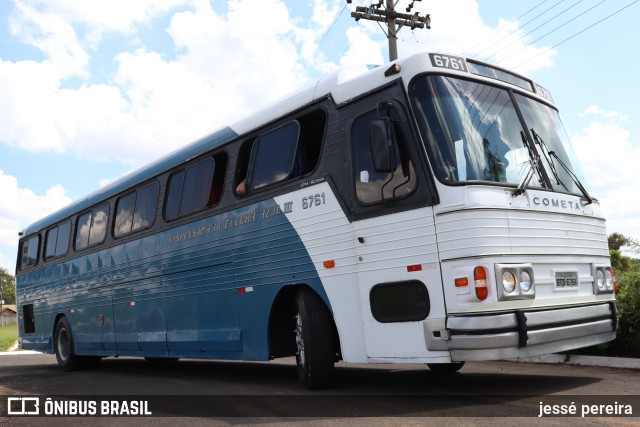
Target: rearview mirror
381 145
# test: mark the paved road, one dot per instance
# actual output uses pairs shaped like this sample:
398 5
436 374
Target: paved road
229 393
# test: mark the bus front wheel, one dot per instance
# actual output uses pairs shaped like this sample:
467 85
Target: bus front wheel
65 354
315 355
445 368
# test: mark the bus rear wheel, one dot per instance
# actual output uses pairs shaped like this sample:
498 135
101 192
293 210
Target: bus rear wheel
445 368
315 355
65 354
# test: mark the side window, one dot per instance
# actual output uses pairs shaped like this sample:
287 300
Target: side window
136 211
57 240
196 187
383 169
273 156
91 228
289 151
99 225
29 252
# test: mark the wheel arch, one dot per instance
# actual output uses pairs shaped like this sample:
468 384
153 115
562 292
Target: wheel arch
282 322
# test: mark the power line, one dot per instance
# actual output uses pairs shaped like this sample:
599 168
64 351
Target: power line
505 27
552 31
539 26
522 26
578 33
323 37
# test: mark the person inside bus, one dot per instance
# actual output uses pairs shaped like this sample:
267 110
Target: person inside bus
241 189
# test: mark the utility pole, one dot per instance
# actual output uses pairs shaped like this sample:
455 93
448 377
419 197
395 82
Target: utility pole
394 20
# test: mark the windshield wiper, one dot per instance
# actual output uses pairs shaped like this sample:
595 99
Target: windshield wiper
550 155
533 166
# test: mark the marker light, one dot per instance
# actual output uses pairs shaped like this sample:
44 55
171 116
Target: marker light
508 281
461 282
480 281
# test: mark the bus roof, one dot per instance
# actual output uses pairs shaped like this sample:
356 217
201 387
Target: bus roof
341 85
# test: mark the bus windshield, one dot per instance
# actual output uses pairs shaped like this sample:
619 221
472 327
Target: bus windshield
473 133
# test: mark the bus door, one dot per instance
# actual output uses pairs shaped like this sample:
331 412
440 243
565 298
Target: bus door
396 253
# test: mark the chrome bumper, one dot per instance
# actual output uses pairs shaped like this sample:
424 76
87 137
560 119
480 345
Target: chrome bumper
525 333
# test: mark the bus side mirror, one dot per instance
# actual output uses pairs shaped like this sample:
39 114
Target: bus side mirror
381 145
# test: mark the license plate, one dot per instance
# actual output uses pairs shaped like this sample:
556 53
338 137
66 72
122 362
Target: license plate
566 280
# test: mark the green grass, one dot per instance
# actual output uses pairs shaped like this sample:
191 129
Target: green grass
8 335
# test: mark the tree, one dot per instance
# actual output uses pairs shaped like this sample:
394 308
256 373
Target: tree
616 240
8 284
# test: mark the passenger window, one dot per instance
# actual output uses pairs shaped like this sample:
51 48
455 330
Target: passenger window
196 187
289 151
273 156
91 228
136 211
99 225
57 240
383 169
29 253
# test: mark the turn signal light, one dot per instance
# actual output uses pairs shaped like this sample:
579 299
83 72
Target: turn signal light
480 281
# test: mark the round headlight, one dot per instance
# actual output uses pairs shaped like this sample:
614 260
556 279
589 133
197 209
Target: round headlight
508 281
600 279
608 278
525 281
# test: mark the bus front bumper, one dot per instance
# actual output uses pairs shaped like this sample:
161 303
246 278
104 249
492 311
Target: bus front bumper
525 333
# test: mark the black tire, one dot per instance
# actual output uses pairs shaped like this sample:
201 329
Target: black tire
63 347
158 360
445 368
314 340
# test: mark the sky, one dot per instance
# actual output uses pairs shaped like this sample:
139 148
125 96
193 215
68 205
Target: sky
91 90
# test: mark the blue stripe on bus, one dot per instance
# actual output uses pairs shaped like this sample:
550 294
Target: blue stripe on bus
204 289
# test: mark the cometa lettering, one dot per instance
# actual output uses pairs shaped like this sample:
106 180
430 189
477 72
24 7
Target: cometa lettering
556 203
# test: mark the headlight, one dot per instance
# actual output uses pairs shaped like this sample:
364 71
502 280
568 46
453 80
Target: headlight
508 281
608 279
518 281
525 281
600 279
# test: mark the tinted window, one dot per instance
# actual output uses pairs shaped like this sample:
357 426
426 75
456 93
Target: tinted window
136 211
146 203
64 236
29 254
58 241
52 238
172 206
99 225
288 152
196 187
274 154
82 231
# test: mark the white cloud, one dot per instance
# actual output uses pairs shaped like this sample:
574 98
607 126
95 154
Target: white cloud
97 17
20 207
610 159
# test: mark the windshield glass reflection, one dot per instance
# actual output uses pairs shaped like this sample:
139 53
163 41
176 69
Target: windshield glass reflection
473 133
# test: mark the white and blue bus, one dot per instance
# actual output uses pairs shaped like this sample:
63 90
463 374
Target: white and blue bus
427 211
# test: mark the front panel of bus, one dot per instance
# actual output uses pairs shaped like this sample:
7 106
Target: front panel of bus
522 244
